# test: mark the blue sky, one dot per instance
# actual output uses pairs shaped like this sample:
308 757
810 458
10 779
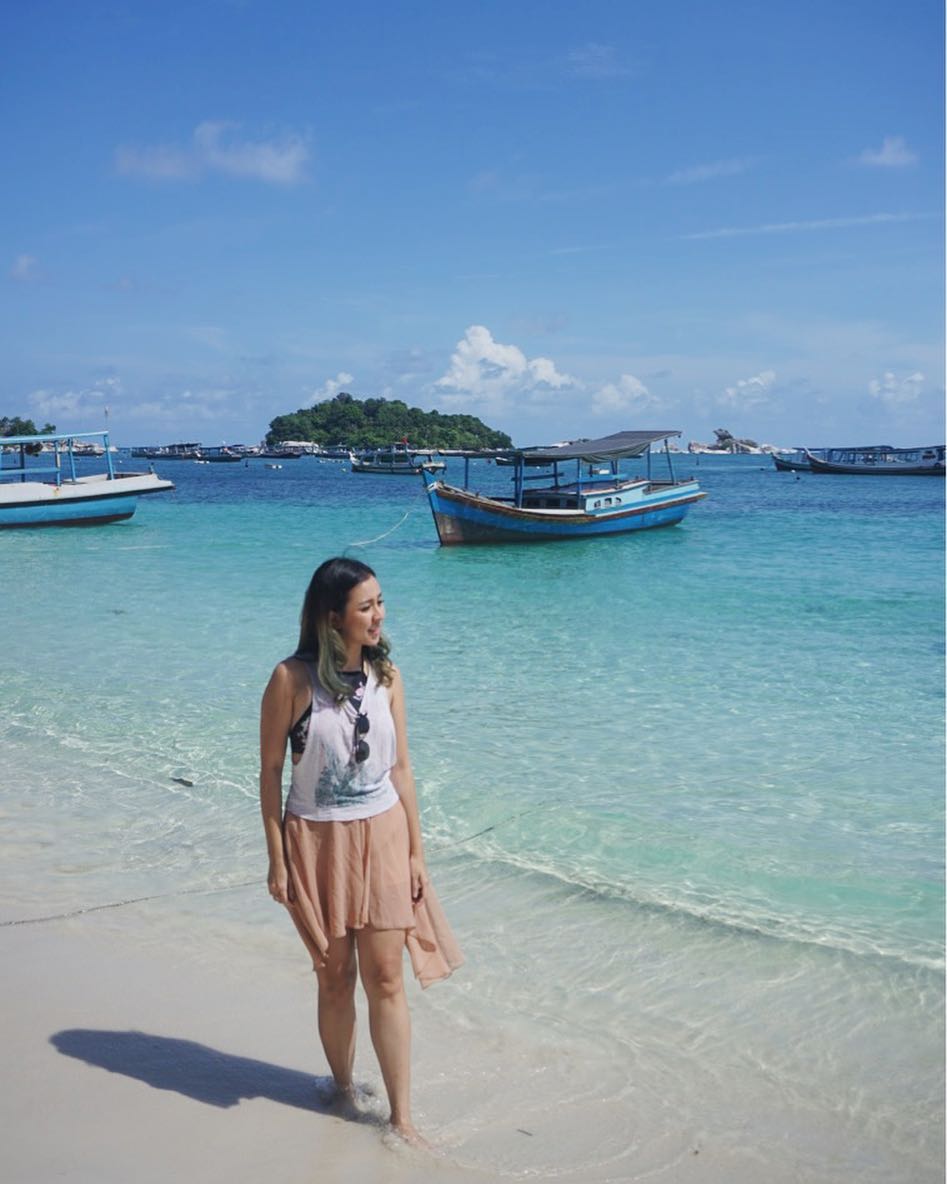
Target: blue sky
568 219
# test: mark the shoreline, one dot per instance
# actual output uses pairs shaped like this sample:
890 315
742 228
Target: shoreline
133 1064
170 1037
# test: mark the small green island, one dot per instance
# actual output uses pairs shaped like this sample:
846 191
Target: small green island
377 423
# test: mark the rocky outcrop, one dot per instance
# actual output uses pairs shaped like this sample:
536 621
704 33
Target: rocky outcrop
726 442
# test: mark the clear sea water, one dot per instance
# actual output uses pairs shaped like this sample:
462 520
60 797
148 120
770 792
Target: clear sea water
683 795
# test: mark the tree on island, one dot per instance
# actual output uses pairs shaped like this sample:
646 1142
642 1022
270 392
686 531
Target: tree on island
375 423
15 426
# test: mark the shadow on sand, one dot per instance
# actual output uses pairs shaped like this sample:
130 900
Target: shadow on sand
198 1072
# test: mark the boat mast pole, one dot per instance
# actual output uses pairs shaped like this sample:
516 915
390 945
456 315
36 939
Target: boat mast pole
108 456
667 450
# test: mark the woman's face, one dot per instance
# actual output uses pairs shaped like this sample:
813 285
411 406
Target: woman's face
360 623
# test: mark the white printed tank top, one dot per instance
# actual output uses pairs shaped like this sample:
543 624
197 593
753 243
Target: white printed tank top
328 784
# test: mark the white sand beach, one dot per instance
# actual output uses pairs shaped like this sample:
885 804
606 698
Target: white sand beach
168 1039
144 1064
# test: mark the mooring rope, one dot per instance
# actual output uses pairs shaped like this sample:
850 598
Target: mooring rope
404 517
378 538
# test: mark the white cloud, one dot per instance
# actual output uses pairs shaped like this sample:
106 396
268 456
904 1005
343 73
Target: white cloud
629 393
593 60
331 387
748 392
279 162
894 391
707 172
177 410
216 147
893 154
86 403
25 269
486 371
161 163
816 224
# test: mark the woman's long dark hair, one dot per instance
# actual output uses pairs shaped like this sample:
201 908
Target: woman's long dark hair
320 641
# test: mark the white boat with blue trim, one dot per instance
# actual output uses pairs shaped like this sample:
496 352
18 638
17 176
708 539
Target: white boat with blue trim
41 485
599 500
397 460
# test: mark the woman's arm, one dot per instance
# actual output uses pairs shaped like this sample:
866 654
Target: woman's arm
403 780
275 722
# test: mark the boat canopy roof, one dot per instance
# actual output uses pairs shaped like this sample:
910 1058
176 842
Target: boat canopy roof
612 447
48 438
849 448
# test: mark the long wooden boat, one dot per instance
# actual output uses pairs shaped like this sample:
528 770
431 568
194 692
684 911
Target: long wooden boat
36 493
396 461
600 500
881 462
221 456
798 462
191 451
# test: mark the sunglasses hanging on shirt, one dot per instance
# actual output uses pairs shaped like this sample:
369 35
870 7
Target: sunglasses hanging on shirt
361 750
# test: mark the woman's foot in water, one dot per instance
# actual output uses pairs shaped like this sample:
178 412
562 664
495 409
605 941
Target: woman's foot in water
408 1133
342 1098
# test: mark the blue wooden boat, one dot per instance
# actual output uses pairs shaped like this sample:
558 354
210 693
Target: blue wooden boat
598 500
41 486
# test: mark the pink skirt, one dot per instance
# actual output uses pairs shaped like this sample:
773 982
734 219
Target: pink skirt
355 875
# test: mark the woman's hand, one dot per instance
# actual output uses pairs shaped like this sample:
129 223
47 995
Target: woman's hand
279 884
419 877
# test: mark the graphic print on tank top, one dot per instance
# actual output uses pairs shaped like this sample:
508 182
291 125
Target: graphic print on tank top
340 783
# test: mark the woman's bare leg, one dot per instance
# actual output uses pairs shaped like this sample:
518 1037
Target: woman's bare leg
336 1009
380 955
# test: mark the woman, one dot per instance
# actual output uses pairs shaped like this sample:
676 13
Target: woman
347 859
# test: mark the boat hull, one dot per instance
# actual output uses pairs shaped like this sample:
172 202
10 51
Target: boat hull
791 466
87 502
387 470
462 517
895 470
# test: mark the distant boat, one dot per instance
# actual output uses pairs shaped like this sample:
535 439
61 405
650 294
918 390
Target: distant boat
218 456
798 462
588 506
881 461
397 460
191 451
43 494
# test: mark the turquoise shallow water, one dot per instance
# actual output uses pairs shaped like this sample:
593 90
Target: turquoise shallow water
721 741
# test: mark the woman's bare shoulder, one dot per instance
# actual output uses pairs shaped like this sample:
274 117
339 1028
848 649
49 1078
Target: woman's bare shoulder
289 676
396 685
